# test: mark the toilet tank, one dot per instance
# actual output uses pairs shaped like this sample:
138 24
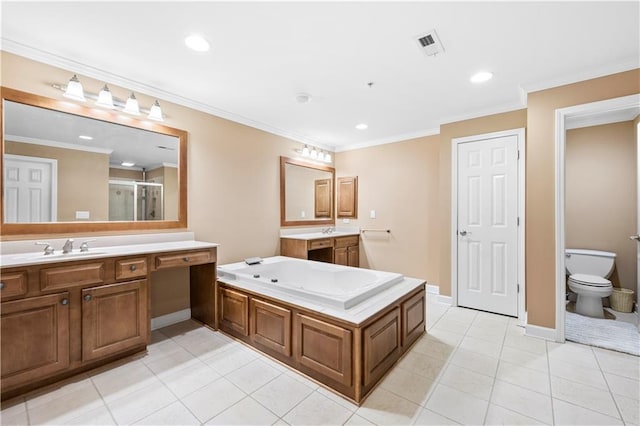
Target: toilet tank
591 262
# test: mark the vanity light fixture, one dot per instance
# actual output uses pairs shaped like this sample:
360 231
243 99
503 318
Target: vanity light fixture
314 153
132 106
327 157
362 126
156 112
105 99
127 164
74 90
305 151
481 77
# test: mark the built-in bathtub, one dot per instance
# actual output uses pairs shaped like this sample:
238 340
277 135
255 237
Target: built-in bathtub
344 327
327 284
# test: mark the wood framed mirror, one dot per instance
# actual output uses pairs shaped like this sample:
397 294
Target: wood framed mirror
306 193
82 180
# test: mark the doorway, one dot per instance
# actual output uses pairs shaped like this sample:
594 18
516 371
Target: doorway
601 112
487 239
30 189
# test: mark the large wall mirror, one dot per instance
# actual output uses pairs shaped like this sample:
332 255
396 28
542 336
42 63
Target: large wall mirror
306 193
72 168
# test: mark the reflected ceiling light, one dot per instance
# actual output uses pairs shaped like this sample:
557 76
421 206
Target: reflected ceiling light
156 112
105 99
481 77
303 98
362 126
197 43
74 90
132 106
127 164
85 137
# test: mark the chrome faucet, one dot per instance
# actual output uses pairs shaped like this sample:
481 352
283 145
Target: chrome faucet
68 246
328 230
47 247
84 247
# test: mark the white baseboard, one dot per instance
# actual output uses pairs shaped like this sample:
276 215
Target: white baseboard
447 300
433 289
540 332
172 318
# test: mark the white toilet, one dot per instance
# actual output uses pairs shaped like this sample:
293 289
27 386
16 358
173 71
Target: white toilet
588 272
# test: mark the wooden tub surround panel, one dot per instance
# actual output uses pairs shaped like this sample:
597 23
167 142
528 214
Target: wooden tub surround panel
346 357
64 317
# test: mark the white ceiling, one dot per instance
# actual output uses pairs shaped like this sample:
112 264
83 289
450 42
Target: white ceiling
264 53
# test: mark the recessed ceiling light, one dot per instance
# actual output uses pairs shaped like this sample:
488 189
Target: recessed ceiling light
197 43
86 138
127 164
481 77
362 126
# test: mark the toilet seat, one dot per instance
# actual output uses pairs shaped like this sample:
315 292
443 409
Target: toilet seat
590 280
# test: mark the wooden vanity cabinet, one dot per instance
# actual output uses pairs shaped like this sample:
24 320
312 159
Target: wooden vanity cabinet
339 250
61 318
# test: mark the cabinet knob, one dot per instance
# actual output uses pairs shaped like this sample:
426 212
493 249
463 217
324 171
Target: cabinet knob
1 285
64 302
186 259
133 268
87 297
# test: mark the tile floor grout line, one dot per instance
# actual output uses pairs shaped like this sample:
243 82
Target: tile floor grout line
495 377
102 398
608 387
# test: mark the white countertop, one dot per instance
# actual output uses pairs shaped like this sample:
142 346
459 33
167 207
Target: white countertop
127 246
355 315
319 235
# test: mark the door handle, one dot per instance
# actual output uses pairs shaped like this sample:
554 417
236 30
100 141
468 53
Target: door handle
635 237
464 233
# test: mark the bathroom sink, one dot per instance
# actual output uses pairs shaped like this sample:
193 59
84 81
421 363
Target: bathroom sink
57 256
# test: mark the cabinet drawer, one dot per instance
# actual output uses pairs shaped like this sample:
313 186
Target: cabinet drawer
347 241
183 259
13 284
131 268
317 244
71 276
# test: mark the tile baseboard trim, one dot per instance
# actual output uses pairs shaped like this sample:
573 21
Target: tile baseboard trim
540 332
435 290
169 319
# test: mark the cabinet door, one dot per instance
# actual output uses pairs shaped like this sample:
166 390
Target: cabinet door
322 198
381 341
324 348
340 256
35 338
353 256
234 311
347 197
271 326
413 318
114 318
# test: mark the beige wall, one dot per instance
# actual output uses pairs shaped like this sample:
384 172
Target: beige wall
540 182
82 179
400 182
601 194
448 132
125 174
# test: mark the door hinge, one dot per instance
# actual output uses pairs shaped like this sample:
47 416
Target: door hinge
518 154
518 221
518 287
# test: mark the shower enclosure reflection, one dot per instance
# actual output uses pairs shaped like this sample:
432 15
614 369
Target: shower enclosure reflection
133 201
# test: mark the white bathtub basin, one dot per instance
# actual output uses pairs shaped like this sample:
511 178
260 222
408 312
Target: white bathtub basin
327 284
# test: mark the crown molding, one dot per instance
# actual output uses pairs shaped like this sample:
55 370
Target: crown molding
392 139
42 56
56 144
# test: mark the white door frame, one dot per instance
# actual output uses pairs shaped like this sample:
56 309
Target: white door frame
54 178
520 134
589 109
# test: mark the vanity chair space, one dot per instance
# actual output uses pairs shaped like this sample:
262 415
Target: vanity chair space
341 250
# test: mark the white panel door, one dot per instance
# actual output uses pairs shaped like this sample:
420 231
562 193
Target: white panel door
487 225
29 189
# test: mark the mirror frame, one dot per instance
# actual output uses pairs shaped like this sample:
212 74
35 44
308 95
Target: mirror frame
283 213
103 115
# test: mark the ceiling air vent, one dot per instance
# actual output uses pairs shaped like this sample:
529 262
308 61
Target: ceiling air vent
430 43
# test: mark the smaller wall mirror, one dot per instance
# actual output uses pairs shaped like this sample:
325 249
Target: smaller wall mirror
306 193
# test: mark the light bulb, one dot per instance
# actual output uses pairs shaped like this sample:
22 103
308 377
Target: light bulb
156 112
105 99
327 157
132 105
314 153
74 90
305 151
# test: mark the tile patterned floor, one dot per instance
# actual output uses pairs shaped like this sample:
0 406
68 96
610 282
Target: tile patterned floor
471 368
